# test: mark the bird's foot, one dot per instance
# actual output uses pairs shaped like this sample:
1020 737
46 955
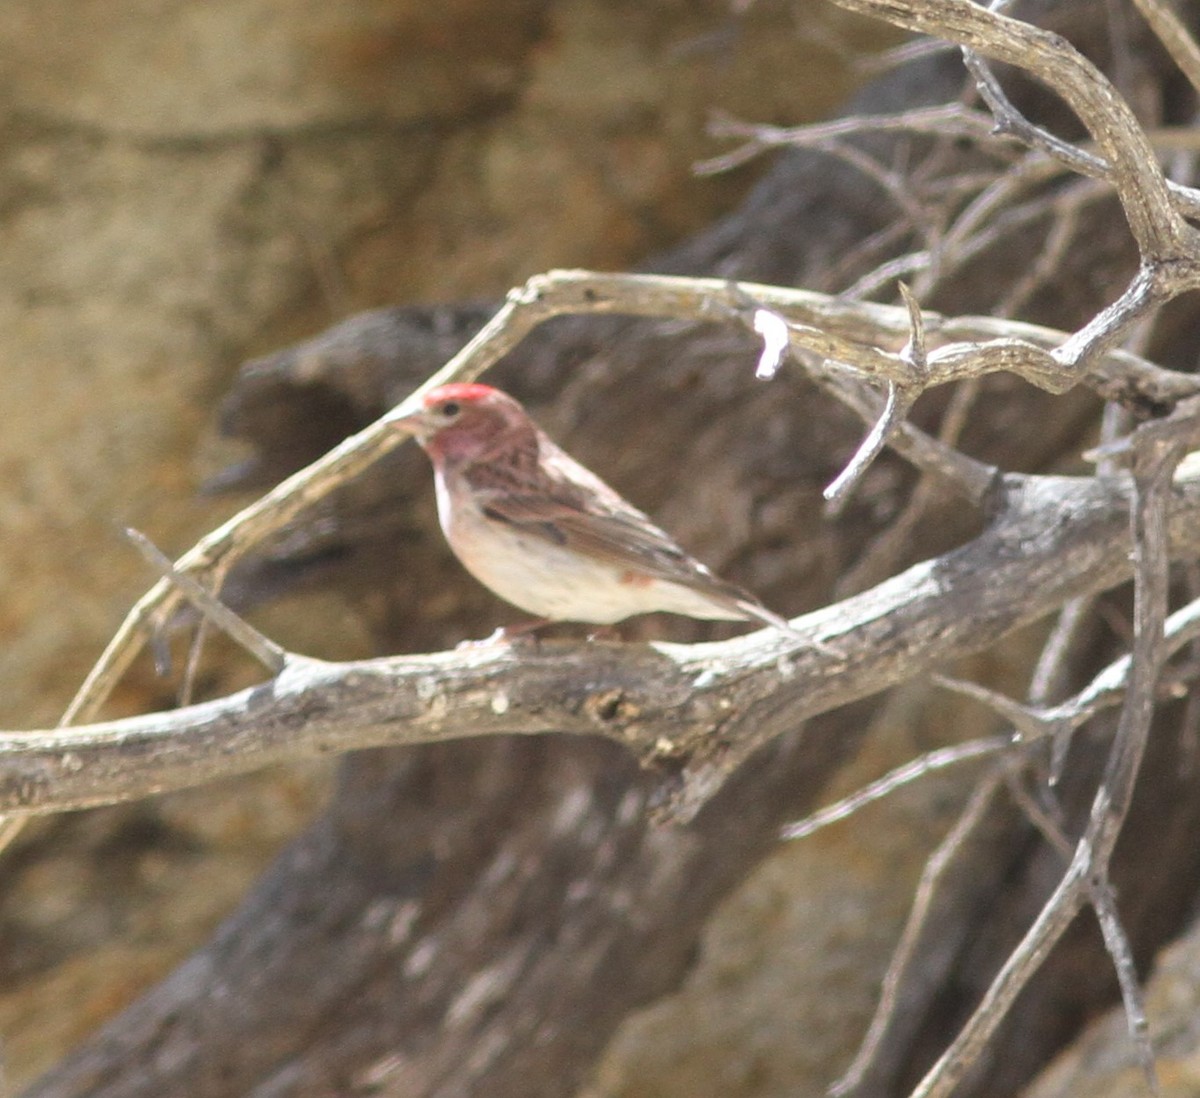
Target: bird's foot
524 633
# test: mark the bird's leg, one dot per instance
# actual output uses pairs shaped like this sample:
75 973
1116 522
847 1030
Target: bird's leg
521 633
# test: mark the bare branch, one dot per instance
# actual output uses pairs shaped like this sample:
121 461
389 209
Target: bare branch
1105 690
1174 36
929 763
951 119
1160 231
1116 941
1030 724
895 410
260 646
1010 122
970 478
899 401
850 333
929 890
1072 537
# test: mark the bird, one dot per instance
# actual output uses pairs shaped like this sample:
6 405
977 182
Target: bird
546 534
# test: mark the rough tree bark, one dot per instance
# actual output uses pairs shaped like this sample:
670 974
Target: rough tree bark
476 917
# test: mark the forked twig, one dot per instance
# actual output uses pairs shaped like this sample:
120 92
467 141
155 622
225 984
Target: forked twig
271 655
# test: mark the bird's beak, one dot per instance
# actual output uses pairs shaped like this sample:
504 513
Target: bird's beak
412 421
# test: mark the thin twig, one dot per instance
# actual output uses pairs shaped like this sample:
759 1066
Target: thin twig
1104 902
191 669
261 647
896 540
928 763
1045 817
952 119
899 402
894 412
971 479
1011 123
928 891
1174 35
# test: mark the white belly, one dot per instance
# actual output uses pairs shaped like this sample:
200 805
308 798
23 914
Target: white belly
549 581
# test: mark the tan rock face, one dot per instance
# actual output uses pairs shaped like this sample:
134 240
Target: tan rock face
186 184
187 70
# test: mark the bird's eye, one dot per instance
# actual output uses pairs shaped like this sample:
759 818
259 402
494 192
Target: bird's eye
450 409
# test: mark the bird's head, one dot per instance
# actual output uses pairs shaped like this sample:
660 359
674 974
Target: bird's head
466 421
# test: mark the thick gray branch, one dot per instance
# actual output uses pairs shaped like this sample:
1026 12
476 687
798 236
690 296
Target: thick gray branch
1054 538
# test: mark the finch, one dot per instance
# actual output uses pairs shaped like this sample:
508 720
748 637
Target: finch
545 534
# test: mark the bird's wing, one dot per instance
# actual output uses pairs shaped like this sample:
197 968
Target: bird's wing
564 503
